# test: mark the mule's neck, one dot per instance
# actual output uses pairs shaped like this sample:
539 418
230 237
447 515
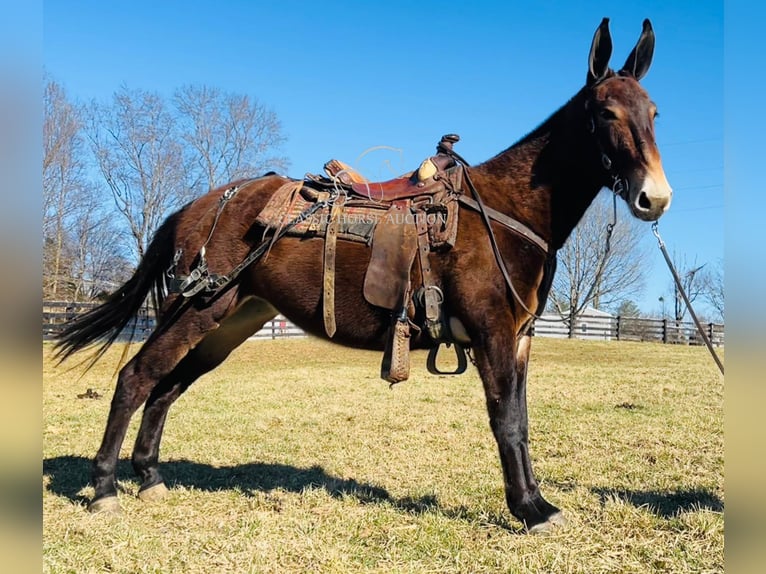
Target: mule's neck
548 179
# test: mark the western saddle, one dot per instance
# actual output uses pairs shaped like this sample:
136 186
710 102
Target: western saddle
401 219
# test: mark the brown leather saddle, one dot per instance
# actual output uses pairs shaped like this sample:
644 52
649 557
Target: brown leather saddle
402 220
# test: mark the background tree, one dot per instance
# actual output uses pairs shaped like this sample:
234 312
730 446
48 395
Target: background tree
628 308
112 171
156 155
63 185
586 274
692 282
227 136
138 152
713 288
99 262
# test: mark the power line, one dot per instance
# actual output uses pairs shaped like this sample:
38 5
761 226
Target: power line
689 142
702 208
711 186
695 170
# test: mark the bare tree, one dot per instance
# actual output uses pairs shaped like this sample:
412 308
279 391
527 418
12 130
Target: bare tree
154 157
691 276
139 153
713 288
99 264
228 136
589 275
63 184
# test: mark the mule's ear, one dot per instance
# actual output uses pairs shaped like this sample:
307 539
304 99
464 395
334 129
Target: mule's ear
640 58
600 52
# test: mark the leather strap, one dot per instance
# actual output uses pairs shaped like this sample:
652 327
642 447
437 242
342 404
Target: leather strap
432 294
330 243
506 221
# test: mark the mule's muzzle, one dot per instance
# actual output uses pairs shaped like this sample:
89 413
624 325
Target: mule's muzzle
650 198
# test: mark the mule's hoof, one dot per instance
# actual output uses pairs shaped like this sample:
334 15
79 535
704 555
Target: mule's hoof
108 505
555 522
153 493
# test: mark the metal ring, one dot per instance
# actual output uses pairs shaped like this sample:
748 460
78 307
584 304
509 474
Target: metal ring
439 291
421 294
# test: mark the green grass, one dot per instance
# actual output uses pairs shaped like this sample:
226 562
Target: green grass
294 457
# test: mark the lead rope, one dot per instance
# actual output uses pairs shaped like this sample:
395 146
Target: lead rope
677 279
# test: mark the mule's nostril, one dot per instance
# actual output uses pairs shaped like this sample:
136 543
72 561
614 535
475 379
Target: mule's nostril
643 201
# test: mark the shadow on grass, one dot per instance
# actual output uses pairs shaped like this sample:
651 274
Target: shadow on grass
69 475
665 504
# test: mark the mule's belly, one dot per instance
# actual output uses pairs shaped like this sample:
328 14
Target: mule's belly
291 279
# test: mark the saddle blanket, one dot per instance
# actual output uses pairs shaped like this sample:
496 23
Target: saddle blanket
356 221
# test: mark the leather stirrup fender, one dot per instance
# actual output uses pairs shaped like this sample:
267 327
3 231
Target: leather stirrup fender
394 246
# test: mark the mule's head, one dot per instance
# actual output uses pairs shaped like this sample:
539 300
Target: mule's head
620 115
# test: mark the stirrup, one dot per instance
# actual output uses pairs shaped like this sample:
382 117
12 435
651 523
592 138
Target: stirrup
462 362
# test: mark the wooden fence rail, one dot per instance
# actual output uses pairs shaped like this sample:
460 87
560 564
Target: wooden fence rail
56 313
631 329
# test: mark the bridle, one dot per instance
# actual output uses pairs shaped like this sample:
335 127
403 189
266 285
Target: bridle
620 185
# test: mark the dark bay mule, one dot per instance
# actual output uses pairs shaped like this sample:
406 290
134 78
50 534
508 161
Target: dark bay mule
602 137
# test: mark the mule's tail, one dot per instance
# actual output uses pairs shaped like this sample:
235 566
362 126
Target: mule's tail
104 323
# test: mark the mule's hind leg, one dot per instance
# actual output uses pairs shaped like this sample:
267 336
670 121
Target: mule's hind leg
134 384
208 354
158 357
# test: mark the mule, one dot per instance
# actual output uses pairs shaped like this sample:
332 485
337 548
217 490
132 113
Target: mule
602 137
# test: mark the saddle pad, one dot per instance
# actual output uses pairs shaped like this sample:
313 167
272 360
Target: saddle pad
355 223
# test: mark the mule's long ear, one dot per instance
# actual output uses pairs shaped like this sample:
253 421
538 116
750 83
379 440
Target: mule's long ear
600 52
640 58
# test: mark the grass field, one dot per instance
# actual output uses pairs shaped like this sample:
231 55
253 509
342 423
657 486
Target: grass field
294 457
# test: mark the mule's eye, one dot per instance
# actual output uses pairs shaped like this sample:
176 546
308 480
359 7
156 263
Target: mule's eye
607 114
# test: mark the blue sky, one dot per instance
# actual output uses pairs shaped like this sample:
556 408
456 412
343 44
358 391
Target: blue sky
344 78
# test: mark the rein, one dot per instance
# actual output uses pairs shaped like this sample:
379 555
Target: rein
487 213
484 211
677 279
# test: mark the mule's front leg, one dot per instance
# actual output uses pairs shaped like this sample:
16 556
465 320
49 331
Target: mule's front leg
504 377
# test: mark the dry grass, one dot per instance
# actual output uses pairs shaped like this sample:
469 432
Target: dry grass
294 457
